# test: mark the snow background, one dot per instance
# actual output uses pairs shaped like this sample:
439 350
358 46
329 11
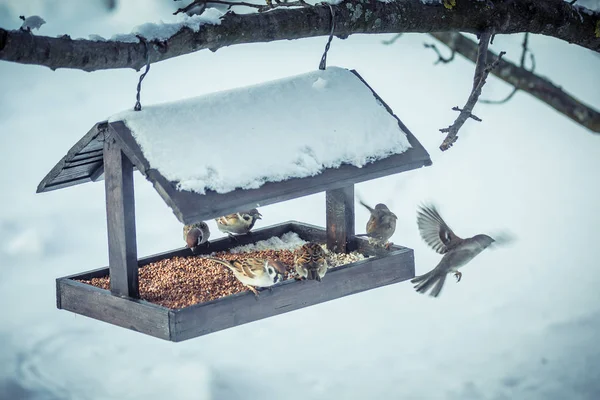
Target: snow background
522 324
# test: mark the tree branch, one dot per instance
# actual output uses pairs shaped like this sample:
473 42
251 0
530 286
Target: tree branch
526 81
482 70
555 18
525 47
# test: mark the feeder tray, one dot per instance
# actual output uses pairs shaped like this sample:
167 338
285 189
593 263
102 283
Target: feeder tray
111 150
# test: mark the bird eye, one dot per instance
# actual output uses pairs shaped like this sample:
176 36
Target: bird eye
271 271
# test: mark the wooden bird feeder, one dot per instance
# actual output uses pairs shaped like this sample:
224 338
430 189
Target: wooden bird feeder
111 150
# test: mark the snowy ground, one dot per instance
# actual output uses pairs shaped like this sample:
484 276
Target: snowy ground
522 324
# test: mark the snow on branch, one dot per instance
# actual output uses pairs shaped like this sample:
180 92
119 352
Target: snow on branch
555 18
482 70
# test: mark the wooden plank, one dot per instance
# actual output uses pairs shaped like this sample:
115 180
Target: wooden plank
120 211
291 295
84 161
88 142
340 218
100 304
98 174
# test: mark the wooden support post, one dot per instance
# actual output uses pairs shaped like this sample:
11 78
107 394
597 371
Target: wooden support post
120 215
340 218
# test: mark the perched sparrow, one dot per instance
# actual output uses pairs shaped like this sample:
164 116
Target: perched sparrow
381 225
196 234
254 271
238 223
457 252
310 262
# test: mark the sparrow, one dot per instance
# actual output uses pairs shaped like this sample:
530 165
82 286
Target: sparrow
381 225
310 262
238 223
254 271
196 234
457 252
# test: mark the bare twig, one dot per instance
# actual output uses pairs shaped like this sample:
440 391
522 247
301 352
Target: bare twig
392 40
482 70
441 59
475 117
526 81
525 46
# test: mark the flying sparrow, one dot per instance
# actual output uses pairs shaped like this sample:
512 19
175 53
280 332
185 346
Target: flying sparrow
381 225
196 234
254 271
310 262
238 223
457 252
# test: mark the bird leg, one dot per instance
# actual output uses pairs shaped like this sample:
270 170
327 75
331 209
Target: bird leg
388 245
232 237
458 276
253 290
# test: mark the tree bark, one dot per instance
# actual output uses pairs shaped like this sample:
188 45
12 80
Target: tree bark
555 18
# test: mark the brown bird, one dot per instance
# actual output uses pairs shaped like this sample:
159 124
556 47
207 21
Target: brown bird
239 223
457 252
196 234
254 271
381 225
310 262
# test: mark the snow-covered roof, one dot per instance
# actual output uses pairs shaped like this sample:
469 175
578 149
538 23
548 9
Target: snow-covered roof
288 128
253 146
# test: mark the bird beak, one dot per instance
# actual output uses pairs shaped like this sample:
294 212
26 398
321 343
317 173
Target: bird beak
259 216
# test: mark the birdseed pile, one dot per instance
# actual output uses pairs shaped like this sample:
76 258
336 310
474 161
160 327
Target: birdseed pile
179 282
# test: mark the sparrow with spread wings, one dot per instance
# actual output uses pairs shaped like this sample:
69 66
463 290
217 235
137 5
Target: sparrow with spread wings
457 252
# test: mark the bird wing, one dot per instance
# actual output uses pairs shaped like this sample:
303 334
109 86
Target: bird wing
372 224
366 206
227 219
248 267
434 231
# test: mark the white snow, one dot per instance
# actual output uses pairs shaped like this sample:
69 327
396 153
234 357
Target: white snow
223 141
33 22
164 30
287 241
522 324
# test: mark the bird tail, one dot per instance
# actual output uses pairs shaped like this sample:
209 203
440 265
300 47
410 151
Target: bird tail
222 262
426 281
366 206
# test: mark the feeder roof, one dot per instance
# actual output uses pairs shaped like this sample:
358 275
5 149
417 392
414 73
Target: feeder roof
253 146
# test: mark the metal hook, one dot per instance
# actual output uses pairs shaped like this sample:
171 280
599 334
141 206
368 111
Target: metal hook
323 63
138 105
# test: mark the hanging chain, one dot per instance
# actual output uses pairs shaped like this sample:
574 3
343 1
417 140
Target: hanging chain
323 63
138 105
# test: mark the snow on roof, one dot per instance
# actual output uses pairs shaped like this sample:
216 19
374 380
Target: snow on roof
289 128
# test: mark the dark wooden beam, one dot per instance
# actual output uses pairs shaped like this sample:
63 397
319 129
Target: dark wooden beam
120 212
340 218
